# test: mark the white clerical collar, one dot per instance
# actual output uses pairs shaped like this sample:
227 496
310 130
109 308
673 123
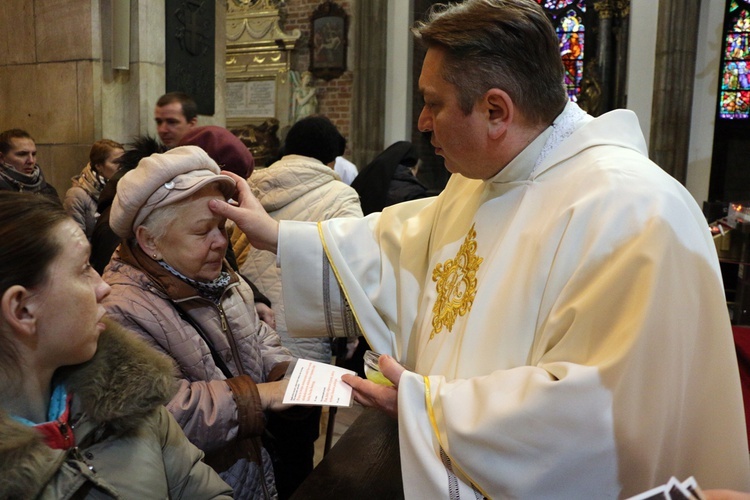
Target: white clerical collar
521 167
525 163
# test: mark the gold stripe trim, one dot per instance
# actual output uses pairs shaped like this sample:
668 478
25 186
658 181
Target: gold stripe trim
341 285
430 411
433 423
427 391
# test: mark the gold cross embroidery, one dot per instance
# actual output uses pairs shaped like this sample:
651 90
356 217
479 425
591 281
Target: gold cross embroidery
456 285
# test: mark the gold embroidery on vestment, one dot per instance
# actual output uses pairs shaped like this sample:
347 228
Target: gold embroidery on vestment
456 285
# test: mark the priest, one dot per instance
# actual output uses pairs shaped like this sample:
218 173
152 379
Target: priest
559 307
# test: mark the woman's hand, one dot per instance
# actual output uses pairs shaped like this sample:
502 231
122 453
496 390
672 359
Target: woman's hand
373 395
272 395
266 314
261 229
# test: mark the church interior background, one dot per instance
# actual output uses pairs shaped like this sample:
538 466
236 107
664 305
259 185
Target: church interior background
681 65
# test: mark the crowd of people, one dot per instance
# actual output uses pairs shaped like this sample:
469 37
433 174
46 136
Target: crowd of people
553 322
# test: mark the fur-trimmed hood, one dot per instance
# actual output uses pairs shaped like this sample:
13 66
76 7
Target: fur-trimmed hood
116 391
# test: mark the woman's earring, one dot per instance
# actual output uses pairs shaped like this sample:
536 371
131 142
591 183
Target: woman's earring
154 256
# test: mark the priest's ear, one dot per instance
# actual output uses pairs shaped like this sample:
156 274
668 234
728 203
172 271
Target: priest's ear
19 310
500 111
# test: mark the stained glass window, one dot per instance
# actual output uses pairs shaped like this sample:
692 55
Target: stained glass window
734 100
567 17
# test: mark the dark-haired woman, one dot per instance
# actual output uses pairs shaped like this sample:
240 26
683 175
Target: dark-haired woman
81 400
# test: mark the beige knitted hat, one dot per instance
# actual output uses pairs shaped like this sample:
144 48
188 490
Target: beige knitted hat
160 180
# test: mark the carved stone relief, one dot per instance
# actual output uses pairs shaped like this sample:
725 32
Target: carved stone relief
259 89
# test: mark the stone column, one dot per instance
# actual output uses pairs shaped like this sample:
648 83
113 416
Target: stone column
605 9
368 99
676 46
58 83
621 36
604 79
126 98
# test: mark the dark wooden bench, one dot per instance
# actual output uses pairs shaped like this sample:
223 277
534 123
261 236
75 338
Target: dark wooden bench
363 464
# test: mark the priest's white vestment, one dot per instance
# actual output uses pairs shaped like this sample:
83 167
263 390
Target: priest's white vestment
564 323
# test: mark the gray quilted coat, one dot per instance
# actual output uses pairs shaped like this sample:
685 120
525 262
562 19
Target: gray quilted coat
302 189
220 415
127 444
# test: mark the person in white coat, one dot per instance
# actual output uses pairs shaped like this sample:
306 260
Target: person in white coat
301 186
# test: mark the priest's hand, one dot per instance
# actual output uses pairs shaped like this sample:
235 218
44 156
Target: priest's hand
725 495
378 396
261 229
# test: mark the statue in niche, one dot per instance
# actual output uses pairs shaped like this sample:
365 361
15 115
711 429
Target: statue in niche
304 96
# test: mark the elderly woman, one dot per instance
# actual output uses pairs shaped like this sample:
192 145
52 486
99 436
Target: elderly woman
171 283
300 186
82 198
81 400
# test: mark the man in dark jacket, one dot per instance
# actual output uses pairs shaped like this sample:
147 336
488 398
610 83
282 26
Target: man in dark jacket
18 168
175 114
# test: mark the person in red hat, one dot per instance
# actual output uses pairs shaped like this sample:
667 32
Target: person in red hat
223 147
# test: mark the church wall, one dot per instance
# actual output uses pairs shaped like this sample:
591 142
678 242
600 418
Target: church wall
398 82
642 56
57 82
47 67
641 77
334 96
705 95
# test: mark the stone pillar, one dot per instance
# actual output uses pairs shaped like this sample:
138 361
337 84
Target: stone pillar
57 80
676 46
621 35
126 98
368 99
605 9
48 55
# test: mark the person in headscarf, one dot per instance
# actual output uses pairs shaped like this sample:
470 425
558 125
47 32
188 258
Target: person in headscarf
225 148
390 178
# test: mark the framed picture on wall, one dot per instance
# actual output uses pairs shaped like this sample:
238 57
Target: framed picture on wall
328 40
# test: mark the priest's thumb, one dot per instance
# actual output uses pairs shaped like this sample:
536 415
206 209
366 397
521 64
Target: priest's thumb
390 368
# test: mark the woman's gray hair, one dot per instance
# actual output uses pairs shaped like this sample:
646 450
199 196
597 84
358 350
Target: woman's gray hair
158 221
505 44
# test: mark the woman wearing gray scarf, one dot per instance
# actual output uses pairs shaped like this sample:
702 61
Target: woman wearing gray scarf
18 168
82 198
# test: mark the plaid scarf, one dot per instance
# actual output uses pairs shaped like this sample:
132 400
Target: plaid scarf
90 181
211 290
22 181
